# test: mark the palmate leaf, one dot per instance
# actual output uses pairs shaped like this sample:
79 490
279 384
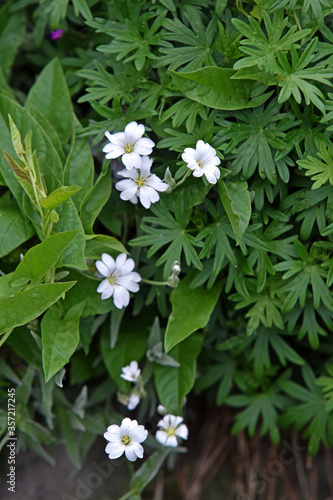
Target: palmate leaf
174 231
265 48
319 171
310 411
263 404
294 76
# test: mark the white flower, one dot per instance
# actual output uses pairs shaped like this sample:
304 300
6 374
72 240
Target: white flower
131 372
129 145
171 427
119 279
140 183
133 401
126 438
203 161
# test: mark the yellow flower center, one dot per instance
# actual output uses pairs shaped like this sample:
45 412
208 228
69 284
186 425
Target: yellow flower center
170 432
126 440
129 148
140 181
112 280
200 164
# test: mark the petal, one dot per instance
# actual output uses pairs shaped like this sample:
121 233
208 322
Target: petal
115 450
146 164
113 428
131 160
102 268
210 176
131 174
128 194
144 146
198 172
130 453
127 424
139 434
133 132
156 183
120 261
137 448
121 297
108 261
129 285
133 401
161 437
113 151
127 267
118 139
182 431
104 285
126 184
171 441
107 293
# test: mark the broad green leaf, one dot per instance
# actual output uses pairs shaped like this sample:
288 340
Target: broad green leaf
22 307
12 28
87 290
174 383
236 200
49 161
60 337
148 470
69 219
79 168
98 243
51 97
131 345
59 196
41 258
95 200
15 229
25 346
214 87
191 310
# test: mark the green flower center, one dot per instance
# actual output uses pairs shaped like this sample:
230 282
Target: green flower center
112 280
200 164
129 148
170 431
126 440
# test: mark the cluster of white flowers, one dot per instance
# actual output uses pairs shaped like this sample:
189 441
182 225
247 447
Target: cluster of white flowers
139 183
119 279
203 161
129 435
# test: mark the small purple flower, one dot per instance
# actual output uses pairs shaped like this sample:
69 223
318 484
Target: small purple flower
54 35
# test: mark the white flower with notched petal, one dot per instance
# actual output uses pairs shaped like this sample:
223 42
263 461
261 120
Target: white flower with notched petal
131 372
142 184
203 161
133 401
126 438
120 280
171 427
129 145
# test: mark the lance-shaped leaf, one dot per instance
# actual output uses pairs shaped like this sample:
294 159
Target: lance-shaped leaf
58 196
236 200
22 307
41 258
60 337
191 310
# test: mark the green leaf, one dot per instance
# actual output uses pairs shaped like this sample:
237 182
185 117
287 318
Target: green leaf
23 307
95 200
58 196
15 229
146 473
236 200
51 97
191 310
12 28
60 337
41 258
174 383
131 345
98 243
69 219
214 87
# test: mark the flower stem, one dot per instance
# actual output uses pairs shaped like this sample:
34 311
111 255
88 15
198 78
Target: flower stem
151 282
183 179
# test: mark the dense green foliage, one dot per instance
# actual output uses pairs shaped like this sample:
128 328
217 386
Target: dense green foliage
251 321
